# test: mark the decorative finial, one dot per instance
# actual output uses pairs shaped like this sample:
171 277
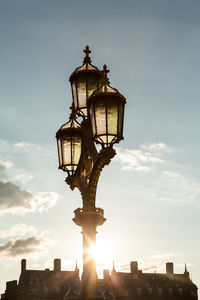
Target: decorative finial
73 113
104 81
87 51
105 71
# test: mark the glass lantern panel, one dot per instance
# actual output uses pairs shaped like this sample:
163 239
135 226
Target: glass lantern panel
66 143
100 114
59 152
76 149
112 115
84 111
92 85
104 138
74 94
81 90
110 138
120 119
92 120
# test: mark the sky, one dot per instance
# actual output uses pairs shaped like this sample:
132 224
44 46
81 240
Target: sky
150 192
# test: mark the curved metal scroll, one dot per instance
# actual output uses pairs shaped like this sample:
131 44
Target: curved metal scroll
90 166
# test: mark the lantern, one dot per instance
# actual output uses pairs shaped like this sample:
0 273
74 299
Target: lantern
106 109
84 80
69 141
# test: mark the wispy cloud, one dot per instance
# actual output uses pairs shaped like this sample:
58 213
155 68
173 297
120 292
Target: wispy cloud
18 230
17 201
179 187
155 146
23 178
142 159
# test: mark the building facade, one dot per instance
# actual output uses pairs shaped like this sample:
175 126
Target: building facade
134 285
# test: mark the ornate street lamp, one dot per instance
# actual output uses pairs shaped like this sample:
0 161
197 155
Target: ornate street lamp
102 109
84 80
106 107
69 140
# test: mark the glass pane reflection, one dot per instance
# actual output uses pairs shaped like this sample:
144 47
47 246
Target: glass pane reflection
100 113
92 120
81 89
74 94
67 151
59 152
112 111
92 85
76 149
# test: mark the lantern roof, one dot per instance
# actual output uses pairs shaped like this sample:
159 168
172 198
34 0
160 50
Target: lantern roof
71 124
87 67
106 88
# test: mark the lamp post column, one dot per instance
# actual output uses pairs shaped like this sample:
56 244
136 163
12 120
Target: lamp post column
89 218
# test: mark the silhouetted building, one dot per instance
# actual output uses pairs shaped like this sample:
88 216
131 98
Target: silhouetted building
135 285
150 286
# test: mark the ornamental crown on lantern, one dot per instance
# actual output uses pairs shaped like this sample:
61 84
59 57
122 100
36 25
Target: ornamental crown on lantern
94 100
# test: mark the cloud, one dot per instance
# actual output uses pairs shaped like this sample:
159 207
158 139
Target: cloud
178 187
4 165
140 159
18 230
23 177
22 144
17 201
16 247
124 266
155 146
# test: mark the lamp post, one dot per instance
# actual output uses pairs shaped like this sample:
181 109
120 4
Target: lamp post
101 108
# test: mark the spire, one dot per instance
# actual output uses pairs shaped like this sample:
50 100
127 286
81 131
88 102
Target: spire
186 273
113 269
186 268
87 52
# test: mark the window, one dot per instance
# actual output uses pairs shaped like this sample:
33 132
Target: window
57 290
45 290
180 291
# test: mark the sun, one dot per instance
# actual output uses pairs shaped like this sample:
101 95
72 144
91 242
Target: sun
102 253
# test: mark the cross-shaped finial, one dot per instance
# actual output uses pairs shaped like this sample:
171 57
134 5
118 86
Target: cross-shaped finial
87 51
105 71
73 113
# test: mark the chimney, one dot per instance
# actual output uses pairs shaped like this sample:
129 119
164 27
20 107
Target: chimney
106 274
57 264
23 265
134 266
169 268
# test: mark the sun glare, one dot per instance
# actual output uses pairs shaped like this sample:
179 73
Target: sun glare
102 253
